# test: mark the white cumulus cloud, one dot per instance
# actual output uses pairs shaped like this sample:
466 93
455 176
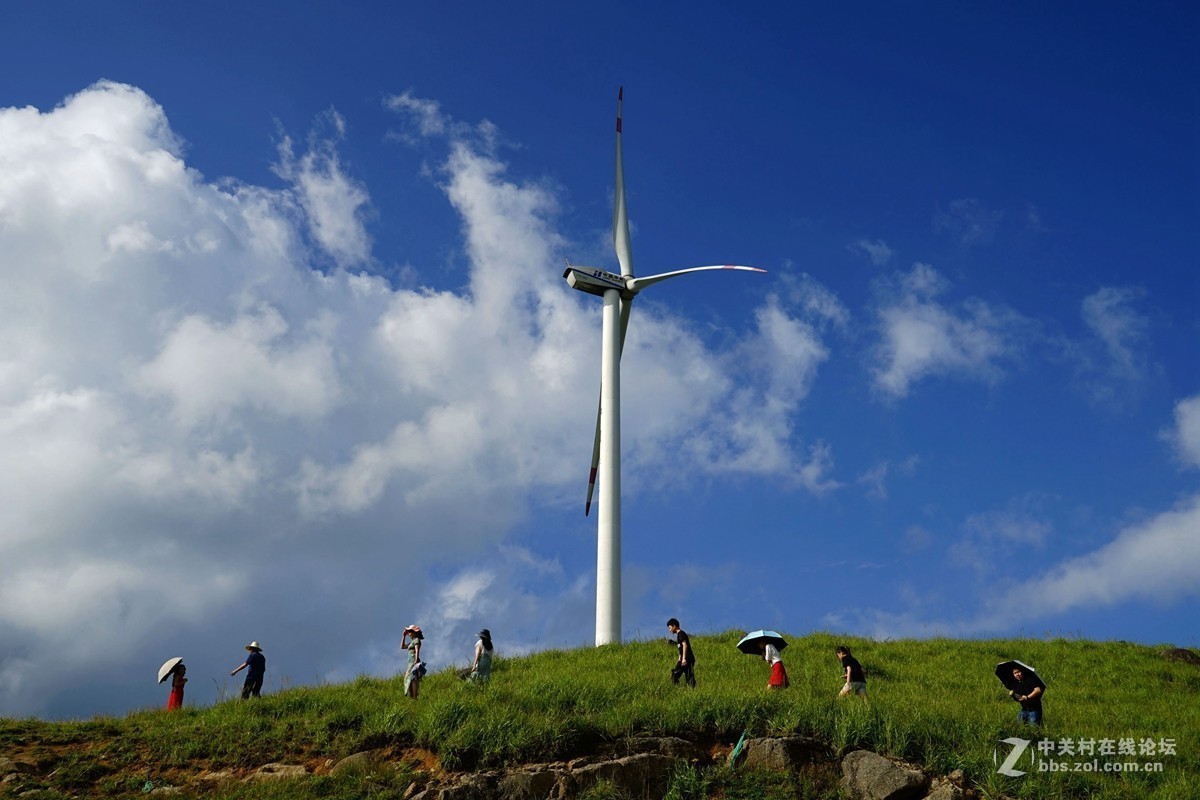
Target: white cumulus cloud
923 337
1154 560
1186 434
877 252
212 429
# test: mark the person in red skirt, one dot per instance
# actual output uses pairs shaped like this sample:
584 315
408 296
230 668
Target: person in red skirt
779 678
175 701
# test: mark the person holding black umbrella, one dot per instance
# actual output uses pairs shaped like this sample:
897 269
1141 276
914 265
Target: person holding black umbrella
1027 689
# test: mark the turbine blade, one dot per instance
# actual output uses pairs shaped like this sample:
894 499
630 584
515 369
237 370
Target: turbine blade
620 215
626 306
637 284
587 504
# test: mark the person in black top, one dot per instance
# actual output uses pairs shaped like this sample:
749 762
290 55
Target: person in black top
1028 690
685 667
856 679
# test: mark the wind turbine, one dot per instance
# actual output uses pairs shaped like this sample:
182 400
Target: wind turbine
618 292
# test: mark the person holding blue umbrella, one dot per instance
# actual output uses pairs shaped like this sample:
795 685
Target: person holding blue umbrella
767 644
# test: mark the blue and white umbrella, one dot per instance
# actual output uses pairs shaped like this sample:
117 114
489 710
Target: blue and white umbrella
749 642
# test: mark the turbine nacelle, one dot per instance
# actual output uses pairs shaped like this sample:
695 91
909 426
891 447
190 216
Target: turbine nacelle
594 280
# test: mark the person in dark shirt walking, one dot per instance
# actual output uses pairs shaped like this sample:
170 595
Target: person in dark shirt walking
685 667
256 663
856 678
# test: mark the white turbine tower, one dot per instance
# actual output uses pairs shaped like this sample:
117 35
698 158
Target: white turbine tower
618 292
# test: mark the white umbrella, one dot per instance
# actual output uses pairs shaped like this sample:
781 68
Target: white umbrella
166 668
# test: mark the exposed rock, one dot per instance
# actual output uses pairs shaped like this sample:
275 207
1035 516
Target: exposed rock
270 772
364 760
945 791
643 775
166 790
474 786
9 766
220 775
1180 654
671 746
536 782
868 776
785 753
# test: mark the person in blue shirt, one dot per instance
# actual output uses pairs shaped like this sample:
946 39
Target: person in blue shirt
256 663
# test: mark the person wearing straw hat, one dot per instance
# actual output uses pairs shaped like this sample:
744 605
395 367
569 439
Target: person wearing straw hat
481 669
256 663
411 641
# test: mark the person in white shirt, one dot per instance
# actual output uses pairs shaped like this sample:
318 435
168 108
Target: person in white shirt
779 678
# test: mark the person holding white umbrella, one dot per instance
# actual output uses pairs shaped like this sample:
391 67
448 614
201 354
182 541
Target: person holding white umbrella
174 667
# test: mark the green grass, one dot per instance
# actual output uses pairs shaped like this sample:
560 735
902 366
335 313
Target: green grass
934 702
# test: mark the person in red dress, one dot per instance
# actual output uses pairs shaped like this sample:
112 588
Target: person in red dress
175 701
779 678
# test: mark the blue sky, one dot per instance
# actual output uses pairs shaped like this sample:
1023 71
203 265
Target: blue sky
286 354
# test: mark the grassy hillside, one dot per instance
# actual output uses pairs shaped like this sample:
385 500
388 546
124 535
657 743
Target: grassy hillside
934 702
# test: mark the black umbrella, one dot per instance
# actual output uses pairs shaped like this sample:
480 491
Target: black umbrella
1005 669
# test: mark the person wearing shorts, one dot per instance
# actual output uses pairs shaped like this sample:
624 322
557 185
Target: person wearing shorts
852 671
